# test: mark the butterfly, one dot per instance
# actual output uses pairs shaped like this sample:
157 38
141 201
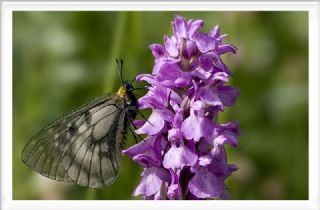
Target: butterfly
84 146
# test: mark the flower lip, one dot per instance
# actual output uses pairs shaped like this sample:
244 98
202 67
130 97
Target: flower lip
205 184
179 156
154 124
151 181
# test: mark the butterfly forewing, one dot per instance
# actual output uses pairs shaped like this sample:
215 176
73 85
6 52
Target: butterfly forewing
82 146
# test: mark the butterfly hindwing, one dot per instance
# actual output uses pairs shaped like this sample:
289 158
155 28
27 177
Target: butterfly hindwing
82 146
92 160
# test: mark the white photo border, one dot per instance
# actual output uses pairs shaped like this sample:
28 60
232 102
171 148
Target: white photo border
7 8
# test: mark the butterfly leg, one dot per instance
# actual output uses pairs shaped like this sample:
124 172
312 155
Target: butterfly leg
135 127
134 135
143 117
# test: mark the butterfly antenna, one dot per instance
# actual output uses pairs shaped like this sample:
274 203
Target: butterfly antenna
140 88
119 68
134 79
146 119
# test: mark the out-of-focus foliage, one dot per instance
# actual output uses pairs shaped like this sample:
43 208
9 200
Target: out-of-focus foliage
63 59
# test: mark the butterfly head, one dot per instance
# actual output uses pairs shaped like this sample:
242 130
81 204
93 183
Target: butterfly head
125 89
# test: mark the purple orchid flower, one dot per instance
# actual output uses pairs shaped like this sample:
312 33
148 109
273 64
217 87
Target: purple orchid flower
184 155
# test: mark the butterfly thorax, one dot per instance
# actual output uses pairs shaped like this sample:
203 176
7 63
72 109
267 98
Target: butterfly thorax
125 91
122 91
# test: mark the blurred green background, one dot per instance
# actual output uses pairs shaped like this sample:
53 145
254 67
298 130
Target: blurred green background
63 59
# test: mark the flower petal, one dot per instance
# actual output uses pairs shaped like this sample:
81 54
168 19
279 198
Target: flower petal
167 115
201 73
205 184
174 190
180 26
225 48
178 118
175 97
191 49
160 145
174 134
210 96
151 181
222 67
195 26
218 78
197 127
158 51
170 47
170 75
138 122
154 126
183 80
145 160
146 77
226 139
141 147
169 71
178 157
204 42
215 32
228 95
157 97
230 128
219 164
205 160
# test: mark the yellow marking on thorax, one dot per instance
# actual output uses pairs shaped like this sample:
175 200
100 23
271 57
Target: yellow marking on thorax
122 91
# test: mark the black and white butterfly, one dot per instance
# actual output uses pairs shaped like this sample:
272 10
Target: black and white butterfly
84 146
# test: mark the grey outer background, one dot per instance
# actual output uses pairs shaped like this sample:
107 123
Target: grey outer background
1 2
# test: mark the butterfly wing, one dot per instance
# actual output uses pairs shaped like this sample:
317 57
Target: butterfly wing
81 146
